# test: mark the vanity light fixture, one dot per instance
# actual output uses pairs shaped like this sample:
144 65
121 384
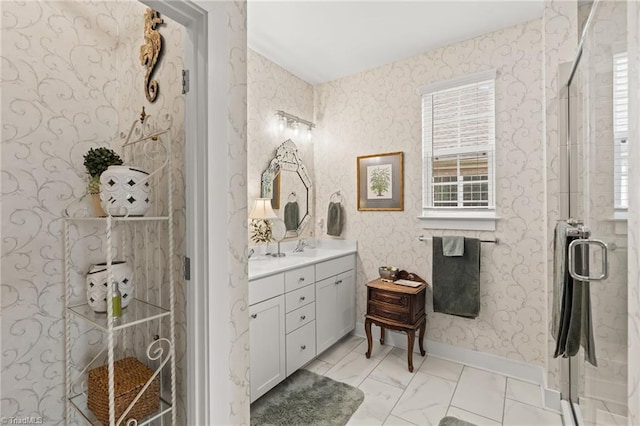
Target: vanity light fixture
291 121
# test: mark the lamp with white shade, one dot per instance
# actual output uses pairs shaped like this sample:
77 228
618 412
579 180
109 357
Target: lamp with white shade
263 212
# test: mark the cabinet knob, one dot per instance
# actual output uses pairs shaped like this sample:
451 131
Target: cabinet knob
254 316
303 347
338 282
301 278
304 317
302 298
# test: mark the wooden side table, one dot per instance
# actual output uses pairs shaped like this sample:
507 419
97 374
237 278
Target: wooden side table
397 307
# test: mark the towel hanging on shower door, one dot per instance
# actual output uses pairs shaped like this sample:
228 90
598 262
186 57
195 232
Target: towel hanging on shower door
572 325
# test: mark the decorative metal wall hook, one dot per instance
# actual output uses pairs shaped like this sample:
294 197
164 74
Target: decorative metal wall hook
150 51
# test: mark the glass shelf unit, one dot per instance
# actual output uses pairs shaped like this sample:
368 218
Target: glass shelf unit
79 402
136 312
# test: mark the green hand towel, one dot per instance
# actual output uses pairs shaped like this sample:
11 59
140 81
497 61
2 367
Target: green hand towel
334 219
291 216
456 280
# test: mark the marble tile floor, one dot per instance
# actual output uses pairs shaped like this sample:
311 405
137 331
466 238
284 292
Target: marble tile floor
436 388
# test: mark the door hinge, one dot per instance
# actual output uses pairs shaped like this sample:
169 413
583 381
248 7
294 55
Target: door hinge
187 268
185 81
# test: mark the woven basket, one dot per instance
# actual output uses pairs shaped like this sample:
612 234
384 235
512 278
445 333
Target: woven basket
130 375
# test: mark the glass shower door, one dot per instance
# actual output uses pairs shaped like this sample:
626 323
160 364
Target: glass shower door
599 197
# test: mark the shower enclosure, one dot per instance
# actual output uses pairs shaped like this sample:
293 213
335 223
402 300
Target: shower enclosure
596 178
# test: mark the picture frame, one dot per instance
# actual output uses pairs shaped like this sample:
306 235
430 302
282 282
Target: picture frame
381 182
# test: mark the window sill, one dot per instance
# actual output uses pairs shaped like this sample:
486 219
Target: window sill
459 220
619 219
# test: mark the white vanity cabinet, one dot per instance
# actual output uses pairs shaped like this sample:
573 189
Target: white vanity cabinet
335 300
293 317
267 334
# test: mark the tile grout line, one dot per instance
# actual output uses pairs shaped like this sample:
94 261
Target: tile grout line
476 414
401 395
372 378
454 390
504 399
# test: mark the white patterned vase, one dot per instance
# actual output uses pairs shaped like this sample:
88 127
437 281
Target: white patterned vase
98 281
125 191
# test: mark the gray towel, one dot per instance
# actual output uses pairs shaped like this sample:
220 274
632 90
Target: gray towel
574 327
452 246
334 219
559 270
456 280
291 215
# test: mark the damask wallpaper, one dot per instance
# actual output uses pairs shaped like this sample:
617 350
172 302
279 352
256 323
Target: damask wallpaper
237 381
71 81
379 111
271 88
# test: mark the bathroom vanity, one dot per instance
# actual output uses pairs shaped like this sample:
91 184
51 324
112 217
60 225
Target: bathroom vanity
299 305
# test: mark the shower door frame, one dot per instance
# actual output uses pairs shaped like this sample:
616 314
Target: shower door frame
570 368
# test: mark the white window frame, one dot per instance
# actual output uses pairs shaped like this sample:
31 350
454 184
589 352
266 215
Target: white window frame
469 218
620 134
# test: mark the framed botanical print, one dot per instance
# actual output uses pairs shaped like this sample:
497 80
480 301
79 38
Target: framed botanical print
381 182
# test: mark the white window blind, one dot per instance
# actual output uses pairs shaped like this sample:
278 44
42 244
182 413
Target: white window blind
458 135
621 130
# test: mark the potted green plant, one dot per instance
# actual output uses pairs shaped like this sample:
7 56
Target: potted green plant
97 161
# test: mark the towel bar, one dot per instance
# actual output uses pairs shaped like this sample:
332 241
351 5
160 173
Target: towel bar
423 238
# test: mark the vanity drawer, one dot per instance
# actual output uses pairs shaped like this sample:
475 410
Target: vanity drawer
300 297
300 317
388 312
301 347
334 266
298 278
400 301
266 288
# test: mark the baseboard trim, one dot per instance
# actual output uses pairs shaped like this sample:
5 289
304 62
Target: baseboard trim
507 367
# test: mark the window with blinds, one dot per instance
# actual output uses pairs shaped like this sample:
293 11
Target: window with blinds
621 130
458 137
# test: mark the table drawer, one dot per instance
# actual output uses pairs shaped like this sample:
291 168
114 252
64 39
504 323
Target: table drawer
397 299
298 278
388 312
301 347
300 317
299 298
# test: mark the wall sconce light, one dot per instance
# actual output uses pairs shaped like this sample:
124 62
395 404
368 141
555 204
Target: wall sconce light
286 120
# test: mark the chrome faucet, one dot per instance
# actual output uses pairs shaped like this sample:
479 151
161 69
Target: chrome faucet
302 243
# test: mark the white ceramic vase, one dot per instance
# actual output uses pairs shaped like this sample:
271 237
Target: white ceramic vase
98 281
125 191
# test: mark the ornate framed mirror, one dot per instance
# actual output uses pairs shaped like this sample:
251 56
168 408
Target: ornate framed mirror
287 182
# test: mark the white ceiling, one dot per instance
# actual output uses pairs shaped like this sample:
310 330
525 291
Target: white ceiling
320 41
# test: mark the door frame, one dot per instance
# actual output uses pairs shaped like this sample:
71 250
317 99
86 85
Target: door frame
206 57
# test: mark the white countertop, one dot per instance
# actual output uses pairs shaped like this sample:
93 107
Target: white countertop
261 265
